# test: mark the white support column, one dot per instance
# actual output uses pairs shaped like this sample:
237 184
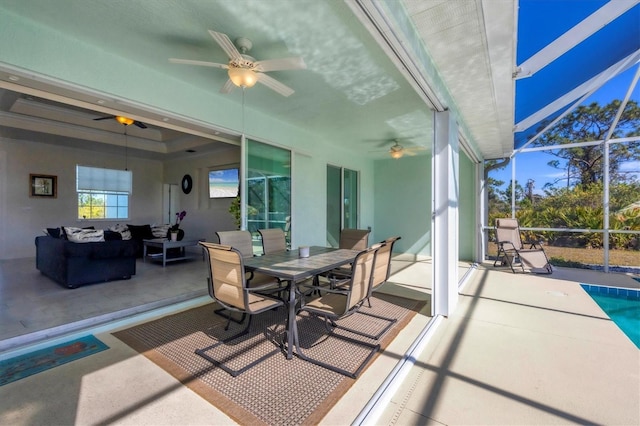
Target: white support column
605 205
244 147
445 213
482 213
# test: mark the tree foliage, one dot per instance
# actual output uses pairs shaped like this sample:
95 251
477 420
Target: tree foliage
588 123
579 204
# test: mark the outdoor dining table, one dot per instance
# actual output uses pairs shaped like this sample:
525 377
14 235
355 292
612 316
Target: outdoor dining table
290 267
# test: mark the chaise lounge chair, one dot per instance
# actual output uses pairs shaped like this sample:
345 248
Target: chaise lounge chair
511 249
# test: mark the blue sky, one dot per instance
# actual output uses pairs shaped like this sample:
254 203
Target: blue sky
556 17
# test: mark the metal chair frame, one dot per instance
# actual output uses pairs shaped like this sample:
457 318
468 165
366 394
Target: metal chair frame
228 256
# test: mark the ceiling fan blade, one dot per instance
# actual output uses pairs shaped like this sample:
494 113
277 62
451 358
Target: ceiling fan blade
280 64
227 87
416 148
226 44
200 63
140 124
274 84
104 118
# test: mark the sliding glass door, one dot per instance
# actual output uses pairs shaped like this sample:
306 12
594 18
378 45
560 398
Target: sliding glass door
268 187
342 202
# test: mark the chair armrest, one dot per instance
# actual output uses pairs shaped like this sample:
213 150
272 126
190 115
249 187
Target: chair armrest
507 242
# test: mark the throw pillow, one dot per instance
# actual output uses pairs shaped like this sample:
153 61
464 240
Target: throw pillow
53 232
160 231
140 232
123 230
79 235
112 235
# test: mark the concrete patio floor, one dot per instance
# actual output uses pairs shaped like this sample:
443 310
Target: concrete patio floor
519 349
524 349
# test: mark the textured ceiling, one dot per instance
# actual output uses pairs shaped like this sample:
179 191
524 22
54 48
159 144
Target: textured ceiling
351 92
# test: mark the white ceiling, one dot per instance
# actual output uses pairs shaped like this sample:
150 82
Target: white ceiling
351 92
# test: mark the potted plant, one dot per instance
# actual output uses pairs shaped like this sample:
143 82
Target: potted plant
175 232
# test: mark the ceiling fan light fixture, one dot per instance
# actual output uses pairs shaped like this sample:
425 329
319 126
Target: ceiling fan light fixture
395 153
243 77
124 120
396 150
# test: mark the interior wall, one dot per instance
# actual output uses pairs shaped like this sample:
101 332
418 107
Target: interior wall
22 218
205 216
403 203
467 209
25 217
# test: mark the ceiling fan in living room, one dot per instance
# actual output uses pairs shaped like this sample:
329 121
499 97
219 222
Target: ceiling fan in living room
125 121
244 70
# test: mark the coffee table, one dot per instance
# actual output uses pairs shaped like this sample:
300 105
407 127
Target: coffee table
165 244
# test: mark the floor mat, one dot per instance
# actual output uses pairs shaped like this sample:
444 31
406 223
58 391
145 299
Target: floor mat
22 366
277 390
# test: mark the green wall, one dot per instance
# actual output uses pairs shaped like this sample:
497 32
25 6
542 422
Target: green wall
403 203
467 209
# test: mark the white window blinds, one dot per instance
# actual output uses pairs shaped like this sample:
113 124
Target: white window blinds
95 179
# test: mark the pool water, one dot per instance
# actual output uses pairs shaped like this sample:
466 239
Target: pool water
622 305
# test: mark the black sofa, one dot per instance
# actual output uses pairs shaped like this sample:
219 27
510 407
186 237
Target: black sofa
74 264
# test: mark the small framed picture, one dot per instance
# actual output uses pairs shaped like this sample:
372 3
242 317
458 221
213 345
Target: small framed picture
43 186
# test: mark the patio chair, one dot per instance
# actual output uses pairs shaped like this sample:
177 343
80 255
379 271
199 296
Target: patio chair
382 268
511 249
228 287
380 275
340 303
354 239
241 241
273 240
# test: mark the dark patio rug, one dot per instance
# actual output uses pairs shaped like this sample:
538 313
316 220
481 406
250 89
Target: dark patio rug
277 391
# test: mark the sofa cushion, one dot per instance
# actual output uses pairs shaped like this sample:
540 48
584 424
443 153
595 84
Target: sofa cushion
123 230
80 235
140 232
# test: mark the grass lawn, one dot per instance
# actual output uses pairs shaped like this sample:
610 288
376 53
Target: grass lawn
584 256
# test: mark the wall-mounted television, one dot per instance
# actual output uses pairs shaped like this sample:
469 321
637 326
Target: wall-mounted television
224 183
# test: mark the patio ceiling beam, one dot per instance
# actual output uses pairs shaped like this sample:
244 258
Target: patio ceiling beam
574 36
587 87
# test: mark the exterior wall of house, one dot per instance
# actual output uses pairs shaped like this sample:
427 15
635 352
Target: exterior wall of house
403 203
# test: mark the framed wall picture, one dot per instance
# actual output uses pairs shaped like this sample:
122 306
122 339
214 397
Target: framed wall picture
43 186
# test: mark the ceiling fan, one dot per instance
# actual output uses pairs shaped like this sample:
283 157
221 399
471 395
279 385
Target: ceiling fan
244 70
397 151
126 121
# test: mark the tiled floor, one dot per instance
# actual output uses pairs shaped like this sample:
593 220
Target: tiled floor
33 306
520 349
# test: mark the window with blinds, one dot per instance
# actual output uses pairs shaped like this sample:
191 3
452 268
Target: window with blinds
103 193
